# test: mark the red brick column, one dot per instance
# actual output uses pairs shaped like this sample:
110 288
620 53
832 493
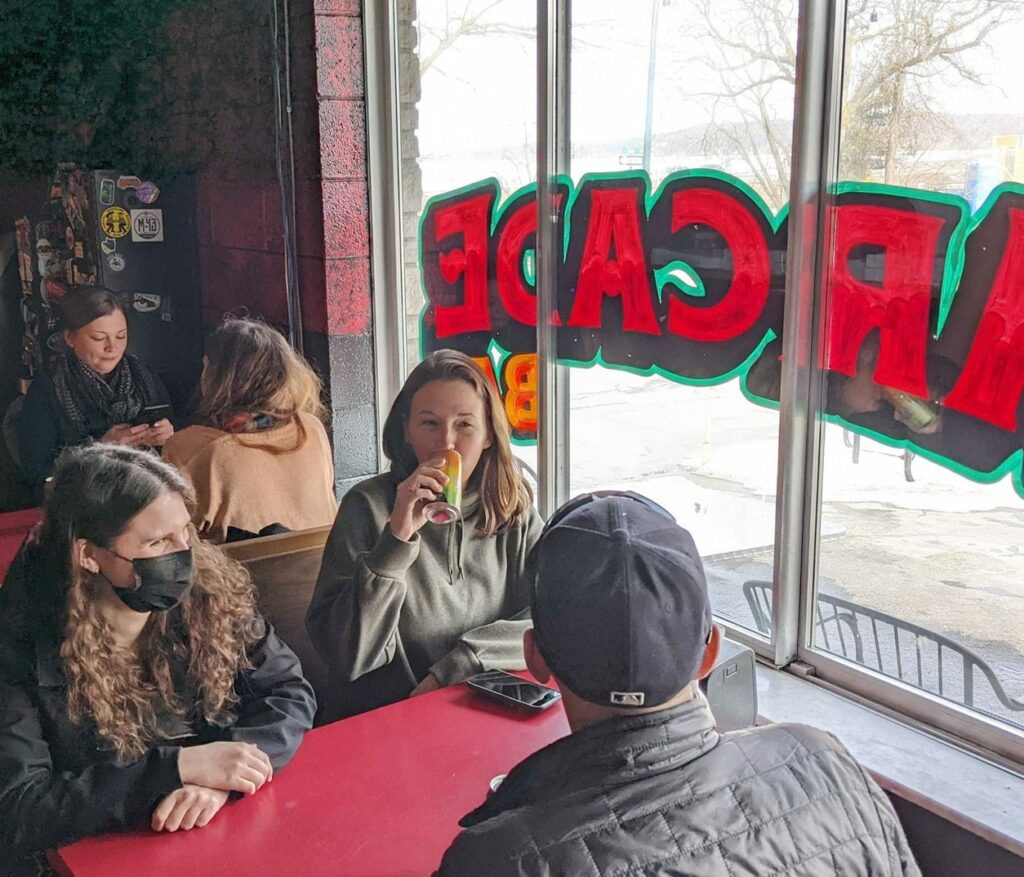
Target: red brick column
345 315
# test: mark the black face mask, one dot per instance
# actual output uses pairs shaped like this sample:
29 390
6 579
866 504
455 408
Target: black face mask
160 582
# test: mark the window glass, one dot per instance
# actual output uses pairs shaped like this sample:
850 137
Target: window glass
467 113
920 573
658 87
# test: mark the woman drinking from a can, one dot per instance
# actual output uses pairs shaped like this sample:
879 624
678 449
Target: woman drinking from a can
402 605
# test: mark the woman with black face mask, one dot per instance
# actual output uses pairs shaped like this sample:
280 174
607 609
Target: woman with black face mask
138 683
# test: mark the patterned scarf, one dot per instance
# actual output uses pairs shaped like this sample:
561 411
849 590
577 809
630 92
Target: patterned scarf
89 398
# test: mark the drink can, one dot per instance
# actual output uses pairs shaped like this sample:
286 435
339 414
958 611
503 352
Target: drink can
445 509
916 413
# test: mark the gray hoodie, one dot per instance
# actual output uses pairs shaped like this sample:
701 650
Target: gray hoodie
387 612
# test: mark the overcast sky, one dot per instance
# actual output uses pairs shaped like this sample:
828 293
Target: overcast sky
481 91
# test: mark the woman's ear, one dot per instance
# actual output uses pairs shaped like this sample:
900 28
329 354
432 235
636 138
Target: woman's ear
84 555
68 336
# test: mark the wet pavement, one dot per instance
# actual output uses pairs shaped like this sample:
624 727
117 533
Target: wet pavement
941 552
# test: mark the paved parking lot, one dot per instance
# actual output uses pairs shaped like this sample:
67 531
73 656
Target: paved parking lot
941 552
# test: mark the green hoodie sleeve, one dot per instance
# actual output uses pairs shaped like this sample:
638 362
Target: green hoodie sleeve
499 645
353 616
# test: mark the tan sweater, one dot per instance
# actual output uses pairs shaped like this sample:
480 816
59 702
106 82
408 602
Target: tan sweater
252 480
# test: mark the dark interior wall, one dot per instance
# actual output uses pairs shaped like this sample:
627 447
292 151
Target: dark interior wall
946 850
210 113
241 232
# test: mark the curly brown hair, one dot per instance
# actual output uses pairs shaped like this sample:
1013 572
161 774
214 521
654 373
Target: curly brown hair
97 490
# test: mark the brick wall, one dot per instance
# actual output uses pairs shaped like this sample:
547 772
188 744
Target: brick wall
341 110
241 230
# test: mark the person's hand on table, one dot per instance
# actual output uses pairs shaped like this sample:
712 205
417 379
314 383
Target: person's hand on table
420 488
126 434
187 808
159 432
230 767
429 683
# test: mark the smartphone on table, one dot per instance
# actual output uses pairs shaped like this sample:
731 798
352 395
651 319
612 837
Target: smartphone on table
514 690
150 415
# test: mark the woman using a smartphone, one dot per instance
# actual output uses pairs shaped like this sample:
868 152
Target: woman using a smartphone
139 686
96 391
403 606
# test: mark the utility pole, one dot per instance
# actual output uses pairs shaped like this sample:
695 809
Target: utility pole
649 115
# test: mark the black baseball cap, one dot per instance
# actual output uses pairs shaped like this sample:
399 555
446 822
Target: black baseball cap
620 603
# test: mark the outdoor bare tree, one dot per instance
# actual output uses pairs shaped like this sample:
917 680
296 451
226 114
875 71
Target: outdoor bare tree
467 18
899 54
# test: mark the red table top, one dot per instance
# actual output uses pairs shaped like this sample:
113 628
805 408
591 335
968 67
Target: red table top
378 794
14 526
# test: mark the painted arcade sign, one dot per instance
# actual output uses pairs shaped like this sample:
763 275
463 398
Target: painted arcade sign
924 322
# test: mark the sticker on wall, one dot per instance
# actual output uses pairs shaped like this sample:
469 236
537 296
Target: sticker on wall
108 245
145 302
107 191
147 192
128 182
53 288
147 226
115 222
116 262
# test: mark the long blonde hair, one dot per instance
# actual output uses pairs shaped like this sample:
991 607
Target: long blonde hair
250 368
97 491
504 495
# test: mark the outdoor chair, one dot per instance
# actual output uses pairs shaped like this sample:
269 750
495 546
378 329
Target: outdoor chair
891 646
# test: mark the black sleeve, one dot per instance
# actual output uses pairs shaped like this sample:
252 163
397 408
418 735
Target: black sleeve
277 703
37 429
41 809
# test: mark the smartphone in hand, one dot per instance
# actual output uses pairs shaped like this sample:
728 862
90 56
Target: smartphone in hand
151 415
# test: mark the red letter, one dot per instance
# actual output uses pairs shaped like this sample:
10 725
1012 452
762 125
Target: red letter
470 219
745 299
992 381
899 307
614 218
519 302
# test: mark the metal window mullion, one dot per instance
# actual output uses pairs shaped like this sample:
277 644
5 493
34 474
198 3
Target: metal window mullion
553 62
815 148
943 718
383 153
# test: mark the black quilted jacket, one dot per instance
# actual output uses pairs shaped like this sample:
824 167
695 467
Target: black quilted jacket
665 793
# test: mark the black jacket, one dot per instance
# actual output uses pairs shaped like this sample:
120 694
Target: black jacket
43 428
664 793
60 782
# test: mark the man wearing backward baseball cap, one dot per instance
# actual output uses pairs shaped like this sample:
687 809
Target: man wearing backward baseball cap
645 783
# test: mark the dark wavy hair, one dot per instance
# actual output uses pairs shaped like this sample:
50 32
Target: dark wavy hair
97 491
87 303
504 495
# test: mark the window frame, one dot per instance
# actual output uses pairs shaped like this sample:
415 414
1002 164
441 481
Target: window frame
821 31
